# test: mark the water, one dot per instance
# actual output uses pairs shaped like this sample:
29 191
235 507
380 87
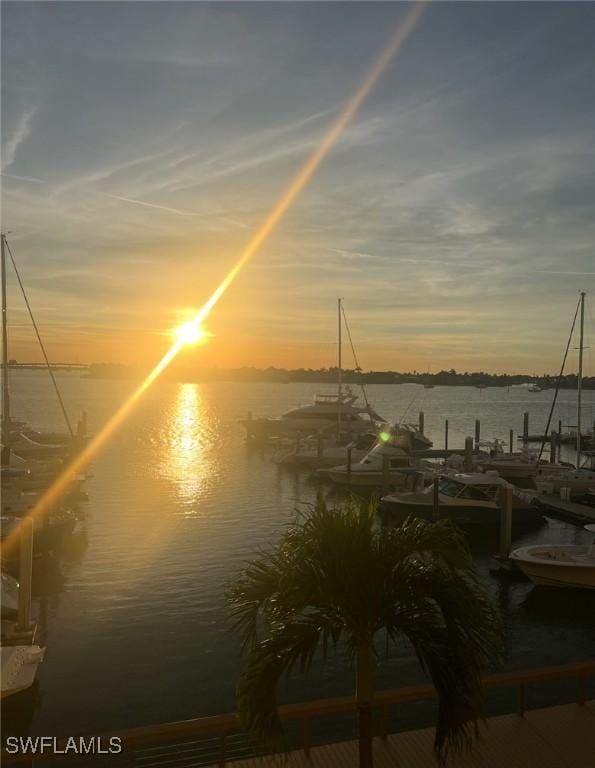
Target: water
134 618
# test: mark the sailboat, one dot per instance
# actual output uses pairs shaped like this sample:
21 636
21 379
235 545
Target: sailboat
330 413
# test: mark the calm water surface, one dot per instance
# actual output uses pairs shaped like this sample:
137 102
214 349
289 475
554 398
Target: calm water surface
133 616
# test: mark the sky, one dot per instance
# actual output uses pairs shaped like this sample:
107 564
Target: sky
144 143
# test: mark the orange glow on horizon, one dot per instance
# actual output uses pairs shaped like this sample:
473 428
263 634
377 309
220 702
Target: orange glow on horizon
193 328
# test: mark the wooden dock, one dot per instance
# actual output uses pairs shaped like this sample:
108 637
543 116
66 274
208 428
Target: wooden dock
556 737
565 510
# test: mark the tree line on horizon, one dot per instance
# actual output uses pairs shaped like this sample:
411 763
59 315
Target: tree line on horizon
329 375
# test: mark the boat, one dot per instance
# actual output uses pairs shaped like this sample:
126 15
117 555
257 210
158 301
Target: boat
534 388
319 451
370 471
19 667
466 498
428 386
571 484
481 386
9 596
563 565
338 412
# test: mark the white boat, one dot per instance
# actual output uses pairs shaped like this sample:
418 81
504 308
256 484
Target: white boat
574 483
19 667
317 452
370 470
564 565
534 388
465 498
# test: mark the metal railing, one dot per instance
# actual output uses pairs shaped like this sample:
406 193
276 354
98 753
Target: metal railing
220 739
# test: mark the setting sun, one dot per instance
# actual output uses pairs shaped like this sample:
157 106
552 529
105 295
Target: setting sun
190 333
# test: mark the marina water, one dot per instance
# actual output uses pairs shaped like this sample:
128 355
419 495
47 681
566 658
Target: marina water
133 615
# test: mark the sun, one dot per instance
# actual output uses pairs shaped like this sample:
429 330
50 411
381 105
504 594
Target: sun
190 333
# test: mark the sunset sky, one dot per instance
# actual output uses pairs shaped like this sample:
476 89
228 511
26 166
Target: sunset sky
143 144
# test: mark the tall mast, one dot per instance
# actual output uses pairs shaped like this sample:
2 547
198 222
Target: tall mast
579 388
5 394
340 371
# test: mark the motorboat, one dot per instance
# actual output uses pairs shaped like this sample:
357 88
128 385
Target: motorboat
408 437
518 466
564 565
534 388
573 483
19 667
317 452
370 470
465 498
338 412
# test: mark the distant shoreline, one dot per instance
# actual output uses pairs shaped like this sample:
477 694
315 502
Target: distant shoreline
329 376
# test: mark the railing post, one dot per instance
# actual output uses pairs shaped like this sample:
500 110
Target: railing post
384 722
582 690
223 751
307 736
522 700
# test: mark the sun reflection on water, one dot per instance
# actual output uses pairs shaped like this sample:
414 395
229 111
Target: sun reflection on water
188 463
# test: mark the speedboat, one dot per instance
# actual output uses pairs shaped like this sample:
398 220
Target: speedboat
319 452
465 498
565 565
340 412
370 470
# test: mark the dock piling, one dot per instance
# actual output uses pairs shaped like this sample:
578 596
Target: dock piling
446 435
553 446
421 422
505 521
511 441
319 447
468 454
436 497
477 432
385 477
25 575
349 467
526 425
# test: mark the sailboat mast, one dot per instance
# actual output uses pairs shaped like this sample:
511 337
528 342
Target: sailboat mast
340 368
5 393
579 388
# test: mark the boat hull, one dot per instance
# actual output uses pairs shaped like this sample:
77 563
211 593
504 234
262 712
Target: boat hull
460 514
569 576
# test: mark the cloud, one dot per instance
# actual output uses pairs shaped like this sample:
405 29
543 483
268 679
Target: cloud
22 130
150 205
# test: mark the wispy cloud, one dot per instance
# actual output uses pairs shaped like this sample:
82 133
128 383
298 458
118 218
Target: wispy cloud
22 129
31 179
150 205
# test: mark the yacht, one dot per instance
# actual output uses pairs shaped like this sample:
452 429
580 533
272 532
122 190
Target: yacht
564 565
327 413
465 498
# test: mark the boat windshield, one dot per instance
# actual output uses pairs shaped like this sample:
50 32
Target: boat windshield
450 488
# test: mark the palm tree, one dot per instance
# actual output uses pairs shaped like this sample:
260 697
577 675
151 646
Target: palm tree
338 576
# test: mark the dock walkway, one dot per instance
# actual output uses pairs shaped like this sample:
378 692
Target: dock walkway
556 737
